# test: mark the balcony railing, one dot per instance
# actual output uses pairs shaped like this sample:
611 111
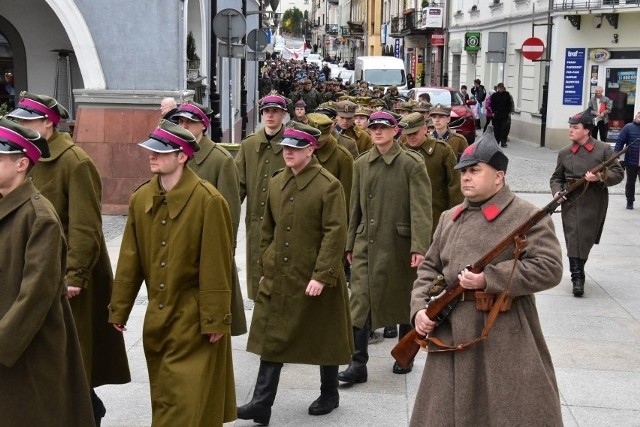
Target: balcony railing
332 29
567 5
397 25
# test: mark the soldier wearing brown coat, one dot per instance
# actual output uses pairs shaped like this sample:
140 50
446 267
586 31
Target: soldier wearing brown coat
440 161
303 287
215 164
389 233
584 212
507 380
70 180
259 157
179 241
42 380
441 116
345 125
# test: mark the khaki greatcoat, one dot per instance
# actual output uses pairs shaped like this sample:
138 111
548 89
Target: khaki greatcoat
257 160
215 164
584 212
507 380
390 218
303 238
361 136
445 181
456 141
70 180
180 243
42 380
339 162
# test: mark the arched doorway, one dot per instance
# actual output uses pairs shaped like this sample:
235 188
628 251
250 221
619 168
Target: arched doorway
13 70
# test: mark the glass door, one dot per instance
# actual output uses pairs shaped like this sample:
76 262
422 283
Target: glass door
621 87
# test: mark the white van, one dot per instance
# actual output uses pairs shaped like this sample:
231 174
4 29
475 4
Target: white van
381 71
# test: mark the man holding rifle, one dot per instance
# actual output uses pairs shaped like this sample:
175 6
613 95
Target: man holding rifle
584 212
508 379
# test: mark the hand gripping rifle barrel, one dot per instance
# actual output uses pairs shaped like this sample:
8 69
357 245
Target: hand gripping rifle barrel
439 307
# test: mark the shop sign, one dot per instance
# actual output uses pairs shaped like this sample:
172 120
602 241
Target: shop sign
437 39
599 55
472 41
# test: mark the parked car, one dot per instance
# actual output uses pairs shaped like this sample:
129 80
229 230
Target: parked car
347 76
462 120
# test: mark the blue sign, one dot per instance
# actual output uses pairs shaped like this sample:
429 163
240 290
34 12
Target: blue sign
573 76
396 48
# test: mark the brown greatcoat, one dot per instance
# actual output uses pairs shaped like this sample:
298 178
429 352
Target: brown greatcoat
445 181
339 162
390 218
180 243
361 136
215 164
456 141
346 142
584 212
257 160
70 180
303 238
42 380
507 380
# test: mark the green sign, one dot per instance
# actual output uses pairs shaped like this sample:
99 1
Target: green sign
472 41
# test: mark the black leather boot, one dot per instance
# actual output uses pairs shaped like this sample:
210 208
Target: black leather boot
329 398
99 411
390 331
357 370
264 394
576 267
397 369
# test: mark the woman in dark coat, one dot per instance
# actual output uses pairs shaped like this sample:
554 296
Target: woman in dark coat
301 312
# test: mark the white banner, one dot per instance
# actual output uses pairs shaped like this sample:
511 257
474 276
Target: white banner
295 54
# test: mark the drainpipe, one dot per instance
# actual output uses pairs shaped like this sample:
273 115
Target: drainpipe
214 96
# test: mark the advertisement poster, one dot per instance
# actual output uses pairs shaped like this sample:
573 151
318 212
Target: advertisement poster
620 87
573 76
419 70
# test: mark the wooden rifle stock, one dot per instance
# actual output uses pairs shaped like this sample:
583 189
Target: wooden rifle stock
439 307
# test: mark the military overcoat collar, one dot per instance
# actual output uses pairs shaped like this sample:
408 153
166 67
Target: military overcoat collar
304 177
428 146
277 148
17 198
587 146
492 208
388 157
206 147
177 197
58 144
327 149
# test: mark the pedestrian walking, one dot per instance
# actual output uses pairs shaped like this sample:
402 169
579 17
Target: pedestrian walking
584 212
389 233
502 107
301 313
480 93
179 240
42 379
484 384
629 134
600 107
71 182
258 158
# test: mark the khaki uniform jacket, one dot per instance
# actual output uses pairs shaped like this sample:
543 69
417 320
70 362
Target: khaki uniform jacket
361 136
584 212
339 162
42 380
180 243
511 373
303 238
445 181
346 142
456 141
390 218
257 160
215 164
70 180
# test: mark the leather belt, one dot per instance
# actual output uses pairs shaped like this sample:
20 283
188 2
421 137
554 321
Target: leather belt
468 296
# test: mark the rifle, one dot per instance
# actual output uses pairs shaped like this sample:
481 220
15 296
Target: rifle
439 306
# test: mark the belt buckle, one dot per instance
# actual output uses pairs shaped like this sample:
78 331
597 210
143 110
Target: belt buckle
462 297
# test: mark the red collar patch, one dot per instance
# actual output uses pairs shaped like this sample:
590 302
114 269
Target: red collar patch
491 212
588 146
458 211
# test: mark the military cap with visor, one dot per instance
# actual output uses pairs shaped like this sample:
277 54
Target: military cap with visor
32 107
441 110
363 111
169 138
298 135
320 122
273 101
328 109
485 150
16 139
194 112
414 122
384 118
346 109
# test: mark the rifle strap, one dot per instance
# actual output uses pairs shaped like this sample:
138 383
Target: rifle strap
520 242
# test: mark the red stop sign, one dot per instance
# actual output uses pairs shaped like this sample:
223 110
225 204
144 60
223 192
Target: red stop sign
327 42
532 48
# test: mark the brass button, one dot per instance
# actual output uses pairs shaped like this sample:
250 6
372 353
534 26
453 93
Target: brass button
285 259
264 189
160 306
163 264
372 221
291 199
288 228
163 222
371 241
267 161
261 203
266 176
161 286
286 244
371 196
163 243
